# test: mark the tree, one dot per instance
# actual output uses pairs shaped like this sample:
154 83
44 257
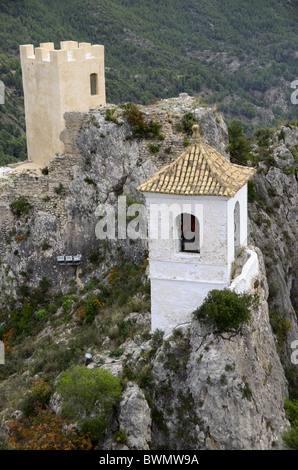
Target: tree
239 147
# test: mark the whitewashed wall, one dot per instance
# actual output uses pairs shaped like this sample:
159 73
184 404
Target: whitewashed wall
241 197
173 301
181 281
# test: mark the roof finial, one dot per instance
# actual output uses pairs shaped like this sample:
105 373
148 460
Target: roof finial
195 133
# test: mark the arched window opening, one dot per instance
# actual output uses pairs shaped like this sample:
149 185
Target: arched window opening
236 228
189 233
93 84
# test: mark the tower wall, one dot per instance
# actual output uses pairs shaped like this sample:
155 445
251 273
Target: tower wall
173 301
54 82
180 281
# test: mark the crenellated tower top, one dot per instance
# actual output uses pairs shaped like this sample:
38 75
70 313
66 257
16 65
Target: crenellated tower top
69 51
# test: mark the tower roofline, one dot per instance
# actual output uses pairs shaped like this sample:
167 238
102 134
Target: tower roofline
199 171
69 51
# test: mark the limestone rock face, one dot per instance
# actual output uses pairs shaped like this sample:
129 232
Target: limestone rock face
289 135
222 391
213 128
135 417
273 226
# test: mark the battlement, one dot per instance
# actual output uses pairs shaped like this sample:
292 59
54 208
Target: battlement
56 81
69 51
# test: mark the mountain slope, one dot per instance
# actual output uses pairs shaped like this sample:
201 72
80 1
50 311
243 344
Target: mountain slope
239 55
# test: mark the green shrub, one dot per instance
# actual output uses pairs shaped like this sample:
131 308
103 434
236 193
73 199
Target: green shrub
157 338
187 122
125 328
45 246
92 307
21 320
94 257
290 437
83 391
294 152
140 128
155 128
110 115
45 284
94 428
52 308
39 396
251 191
291 407
154 148
41 314
116 352
239 146
245 389
135 119
4 444
66 304
263 136
227 309
20 206
89 181
280 325
59 189
52 358
121 437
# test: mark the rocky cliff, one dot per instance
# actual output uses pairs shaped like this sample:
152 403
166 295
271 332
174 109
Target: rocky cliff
226 391
273 223
196 390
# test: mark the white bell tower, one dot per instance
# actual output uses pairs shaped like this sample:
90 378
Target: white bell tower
197 210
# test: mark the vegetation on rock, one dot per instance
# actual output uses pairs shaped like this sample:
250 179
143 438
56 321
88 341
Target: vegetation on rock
226 308
83 391
226 52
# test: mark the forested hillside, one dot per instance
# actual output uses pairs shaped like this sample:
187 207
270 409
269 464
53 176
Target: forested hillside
240 56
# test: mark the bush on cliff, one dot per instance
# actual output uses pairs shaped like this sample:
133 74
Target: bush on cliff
227 309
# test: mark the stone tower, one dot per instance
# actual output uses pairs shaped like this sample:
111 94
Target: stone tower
56 81
197 210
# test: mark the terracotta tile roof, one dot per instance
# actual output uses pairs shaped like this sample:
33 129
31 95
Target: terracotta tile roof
200 171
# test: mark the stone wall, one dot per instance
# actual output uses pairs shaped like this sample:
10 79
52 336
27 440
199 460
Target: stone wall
39 191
